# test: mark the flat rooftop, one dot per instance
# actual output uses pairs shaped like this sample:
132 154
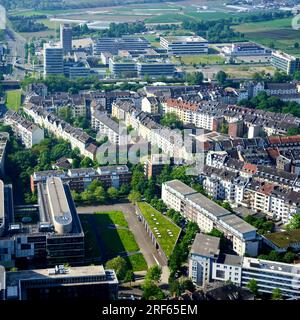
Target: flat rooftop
207 204
180 187
185 39
285 238
238 224
231 259
271 266
13 278
205 245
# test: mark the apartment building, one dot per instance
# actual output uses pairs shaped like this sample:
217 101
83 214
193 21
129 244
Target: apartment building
61 283
61 129
208 265
79 179
204 251
27 132
106 126
150 105
184 45
208 215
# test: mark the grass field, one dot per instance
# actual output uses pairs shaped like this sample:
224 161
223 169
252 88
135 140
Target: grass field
278 32
13 99
200 59
112 228
157 220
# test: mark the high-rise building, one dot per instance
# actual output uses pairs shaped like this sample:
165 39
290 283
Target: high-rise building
53 59
66 38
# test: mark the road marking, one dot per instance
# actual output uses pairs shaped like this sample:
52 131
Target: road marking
156 260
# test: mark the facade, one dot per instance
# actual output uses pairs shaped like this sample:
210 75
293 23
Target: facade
106 126
4 137
53 59
204 251
26 131
79 179
61 283
209 265
186 45
284 62
208 215
61 129
155 69
113 45
150 105
56 237
122 68
66 38
245 49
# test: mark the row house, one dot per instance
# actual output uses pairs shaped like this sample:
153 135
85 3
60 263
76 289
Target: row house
26 131
61 129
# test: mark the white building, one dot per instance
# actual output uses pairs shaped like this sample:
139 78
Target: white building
204 251
53 59
184 45
28 132
209 215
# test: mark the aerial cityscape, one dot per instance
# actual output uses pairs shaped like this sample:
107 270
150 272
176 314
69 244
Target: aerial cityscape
150 150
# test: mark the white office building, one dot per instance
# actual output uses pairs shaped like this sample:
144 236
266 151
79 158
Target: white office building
53 59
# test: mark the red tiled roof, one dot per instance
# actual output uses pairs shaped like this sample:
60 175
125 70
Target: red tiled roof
182 104
248 167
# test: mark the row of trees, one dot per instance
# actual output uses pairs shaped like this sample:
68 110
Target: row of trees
95 192
253 287
271 103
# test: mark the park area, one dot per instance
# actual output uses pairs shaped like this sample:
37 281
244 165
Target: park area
165 231
13 99
107 235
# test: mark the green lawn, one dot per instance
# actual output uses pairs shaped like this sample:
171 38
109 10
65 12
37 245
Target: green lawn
13 99
200 59
163 225
117 238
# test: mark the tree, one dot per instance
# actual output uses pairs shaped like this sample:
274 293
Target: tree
252 286
99 194
276 294
195 78
151 291
154 273
221 77
294 222
129 277
86 163
134 197
293 131
112 193
118 264
171 120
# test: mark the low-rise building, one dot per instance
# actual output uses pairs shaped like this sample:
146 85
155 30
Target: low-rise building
184 45
61 283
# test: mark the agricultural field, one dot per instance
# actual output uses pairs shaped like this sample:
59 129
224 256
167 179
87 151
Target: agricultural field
108 236
277 33
13 99
164 226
